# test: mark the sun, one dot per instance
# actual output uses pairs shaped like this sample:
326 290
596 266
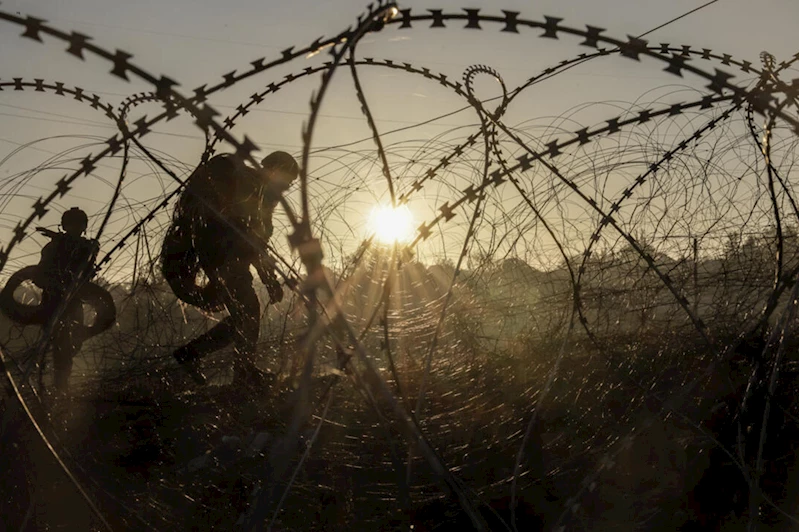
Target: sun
391 224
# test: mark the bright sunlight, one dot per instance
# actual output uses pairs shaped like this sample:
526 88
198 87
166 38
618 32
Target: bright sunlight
391 224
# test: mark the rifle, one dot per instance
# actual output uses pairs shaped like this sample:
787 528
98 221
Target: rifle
49 233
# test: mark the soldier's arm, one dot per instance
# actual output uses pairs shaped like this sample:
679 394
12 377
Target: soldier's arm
267 263
266 271
87 264
265 266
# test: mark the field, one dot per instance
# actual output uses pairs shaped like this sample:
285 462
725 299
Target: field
643 435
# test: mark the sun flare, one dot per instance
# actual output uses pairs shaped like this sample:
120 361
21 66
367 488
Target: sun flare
390 224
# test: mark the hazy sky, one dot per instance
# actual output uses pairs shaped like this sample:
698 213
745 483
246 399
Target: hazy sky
197 42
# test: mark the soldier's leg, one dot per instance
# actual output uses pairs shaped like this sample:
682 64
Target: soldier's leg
66 344
214 339
62 358
234 281
246 317
218 336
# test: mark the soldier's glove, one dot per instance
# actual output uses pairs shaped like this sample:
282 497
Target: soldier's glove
274 289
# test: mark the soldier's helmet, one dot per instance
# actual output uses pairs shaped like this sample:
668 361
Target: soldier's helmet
74 221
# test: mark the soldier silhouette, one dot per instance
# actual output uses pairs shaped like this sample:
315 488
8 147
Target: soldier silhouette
65 260
222 223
